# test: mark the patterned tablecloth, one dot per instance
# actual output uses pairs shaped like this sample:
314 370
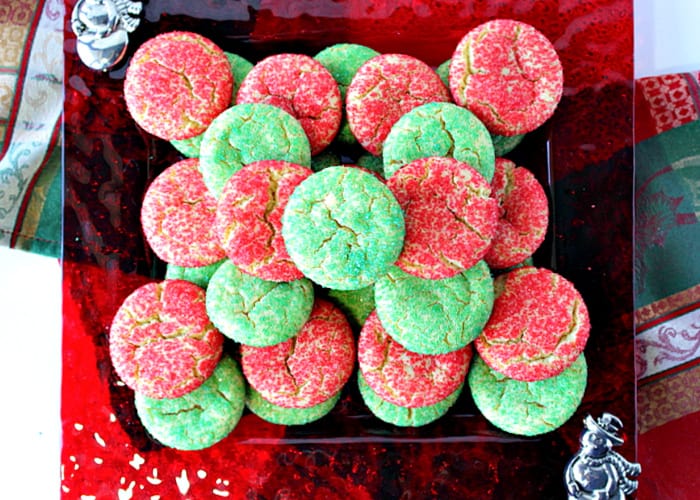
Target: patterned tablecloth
667 280
667 262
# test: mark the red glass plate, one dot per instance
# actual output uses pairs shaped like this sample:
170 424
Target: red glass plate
583 155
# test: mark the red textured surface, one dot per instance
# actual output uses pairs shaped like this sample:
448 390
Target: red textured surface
449 214
161 342
176 84
382 90
249 218
177 217
523 215
407 378
308 368
508 74
538 327
587 169
302 87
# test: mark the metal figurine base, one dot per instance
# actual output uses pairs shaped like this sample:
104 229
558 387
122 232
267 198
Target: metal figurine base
596 471
102 28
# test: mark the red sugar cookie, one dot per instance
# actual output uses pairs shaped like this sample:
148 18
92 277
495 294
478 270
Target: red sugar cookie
407 378
538 326
248 218
523 215
176 84
177 216
161 341
302 87
449 213
307 369
385 88
508 74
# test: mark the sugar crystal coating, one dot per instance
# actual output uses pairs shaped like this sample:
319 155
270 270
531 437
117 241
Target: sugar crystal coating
176 84
439 129
308 368
527 408
407 378
403 416
246 133
435 316
343 228
523 215
254 311
302 87
382 90
508 74
161 341
177 217
449 214
538 327
249 218
201 418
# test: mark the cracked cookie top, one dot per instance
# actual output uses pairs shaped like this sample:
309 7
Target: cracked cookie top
176 84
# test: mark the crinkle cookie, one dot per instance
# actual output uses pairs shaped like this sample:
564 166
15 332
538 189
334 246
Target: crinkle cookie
406 378
527 408
523 218
176 84
508 74
161 341
302 87
307 369
382 90
177 217
343 228
439 129
200 418
449 214
246 133
435 316
343 60
249 218
239 68
403 416
538 327
254 311
280 415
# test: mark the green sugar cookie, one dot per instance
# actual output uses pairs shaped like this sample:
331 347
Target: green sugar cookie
371 162
403 416
443 71
246 133
343 228
281 415
200 418
504 144
527 408
239 68
257 312
343 60
439 129
356 304
435 316
200 276
189 147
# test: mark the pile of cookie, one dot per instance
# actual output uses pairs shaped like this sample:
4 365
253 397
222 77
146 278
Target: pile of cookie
404 271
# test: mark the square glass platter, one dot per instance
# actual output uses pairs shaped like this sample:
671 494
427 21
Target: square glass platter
583 157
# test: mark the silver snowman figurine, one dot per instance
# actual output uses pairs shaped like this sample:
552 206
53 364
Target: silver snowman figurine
102 28
597 472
